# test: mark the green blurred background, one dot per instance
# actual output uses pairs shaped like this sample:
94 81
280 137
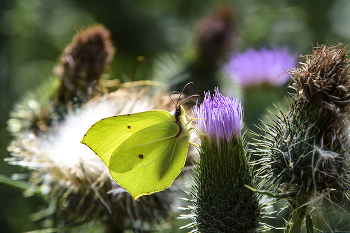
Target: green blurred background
33 34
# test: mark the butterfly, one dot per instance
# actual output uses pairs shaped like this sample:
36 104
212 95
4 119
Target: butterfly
144 151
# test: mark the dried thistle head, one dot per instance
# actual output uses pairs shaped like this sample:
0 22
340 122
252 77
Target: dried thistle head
322 81
74 180
323 76
83 62
305 150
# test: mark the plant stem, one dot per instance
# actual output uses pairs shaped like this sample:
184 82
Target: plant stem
298 215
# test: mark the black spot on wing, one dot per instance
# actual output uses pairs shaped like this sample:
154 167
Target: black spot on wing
140 156
128 126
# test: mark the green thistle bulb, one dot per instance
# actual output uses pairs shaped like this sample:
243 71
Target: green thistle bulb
221 202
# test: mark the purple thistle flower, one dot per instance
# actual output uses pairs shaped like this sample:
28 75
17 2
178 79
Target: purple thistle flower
220 117
255 67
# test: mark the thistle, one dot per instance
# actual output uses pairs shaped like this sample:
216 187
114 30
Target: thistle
35 112
221 202
305 151
261 73
256 67
82 63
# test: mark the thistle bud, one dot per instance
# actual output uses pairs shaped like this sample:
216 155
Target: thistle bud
83 62
221 202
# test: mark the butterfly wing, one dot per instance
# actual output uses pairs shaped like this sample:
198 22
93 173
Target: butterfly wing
150 160
107 134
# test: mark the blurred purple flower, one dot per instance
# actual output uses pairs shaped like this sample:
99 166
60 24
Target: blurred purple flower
254 67
220 117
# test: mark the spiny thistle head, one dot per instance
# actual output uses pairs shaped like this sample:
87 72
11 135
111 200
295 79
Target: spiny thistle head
83 62
34 112
220 202
306 149
322 81
254 67
75 182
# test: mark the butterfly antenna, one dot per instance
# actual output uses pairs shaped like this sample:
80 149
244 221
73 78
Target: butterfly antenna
177 103
188 98
171 98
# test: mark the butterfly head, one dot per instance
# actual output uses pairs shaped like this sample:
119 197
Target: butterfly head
178 111
178 108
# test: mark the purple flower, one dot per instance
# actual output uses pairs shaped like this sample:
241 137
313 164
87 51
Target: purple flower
220 117
255 67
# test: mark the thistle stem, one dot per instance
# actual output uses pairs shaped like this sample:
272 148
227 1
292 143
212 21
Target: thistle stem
298 215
